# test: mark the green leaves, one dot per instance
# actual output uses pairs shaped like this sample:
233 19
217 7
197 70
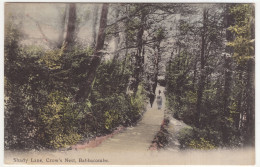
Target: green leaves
227 85
58 118
243 43
201 144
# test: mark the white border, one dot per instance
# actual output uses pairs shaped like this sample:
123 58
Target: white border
140 1
257 77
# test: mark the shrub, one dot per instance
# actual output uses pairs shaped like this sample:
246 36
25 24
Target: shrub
185 136
112 119
58 121
191 138
201 144
111 105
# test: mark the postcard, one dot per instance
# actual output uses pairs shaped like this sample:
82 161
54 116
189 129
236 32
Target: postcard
129 83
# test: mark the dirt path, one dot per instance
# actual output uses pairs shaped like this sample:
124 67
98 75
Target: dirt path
136 138
139 137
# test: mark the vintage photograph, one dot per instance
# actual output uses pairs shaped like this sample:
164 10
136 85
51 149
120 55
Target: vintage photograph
129 83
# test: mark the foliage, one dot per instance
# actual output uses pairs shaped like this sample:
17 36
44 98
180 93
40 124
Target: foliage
226 113
189 138
201 144
244 53
40 89
58 120
243 29
111 105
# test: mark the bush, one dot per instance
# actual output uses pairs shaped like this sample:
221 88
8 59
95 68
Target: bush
185 136
201 144
64 140
118 109
26 87
111 106
191 138
58 121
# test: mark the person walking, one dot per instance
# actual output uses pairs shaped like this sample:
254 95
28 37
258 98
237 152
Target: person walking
159 92
151 96
159 102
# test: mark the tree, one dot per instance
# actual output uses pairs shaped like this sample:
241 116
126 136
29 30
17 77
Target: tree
202 66
62 27
244 53
94 24
71 27
85 88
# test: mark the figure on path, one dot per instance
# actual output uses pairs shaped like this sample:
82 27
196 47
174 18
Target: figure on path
159 92
159 102
151 96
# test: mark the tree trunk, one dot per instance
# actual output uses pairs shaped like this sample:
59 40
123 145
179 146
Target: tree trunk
85 89
117 39
126 50
227 63
157 61
62 27
125 58
250 90
250 105
194 73
202 70
70 36
94 25
139 56
227 95
238 117
227 73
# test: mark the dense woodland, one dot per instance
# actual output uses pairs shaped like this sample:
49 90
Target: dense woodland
64 90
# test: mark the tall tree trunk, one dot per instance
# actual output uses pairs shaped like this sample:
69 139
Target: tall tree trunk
125 58
194 73
202 70
250 89
227 64
250 104
117 38
239 115
70 36
85 89
227 72
62 27
138 56
226 96
94 24
157 61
